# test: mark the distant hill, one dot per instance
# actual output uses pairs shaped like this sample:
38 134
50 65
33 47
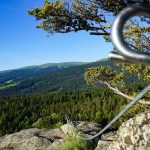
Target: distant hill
26 72
47 77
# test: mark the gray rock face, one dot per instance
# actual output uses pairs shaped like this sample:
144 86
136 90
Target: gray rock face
67 128
32 139
44 139
105 141
89 128
133 134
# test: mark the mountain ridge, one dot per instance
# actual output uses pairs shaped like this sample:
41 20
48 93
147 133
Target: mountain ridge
44 65
66 76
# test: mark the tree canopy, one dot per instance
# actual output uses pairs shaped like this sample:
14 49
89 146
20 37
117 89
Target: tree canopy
95 16
77 15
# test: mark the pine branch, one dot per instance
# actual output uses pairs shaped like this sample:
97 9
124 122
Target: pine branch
117 91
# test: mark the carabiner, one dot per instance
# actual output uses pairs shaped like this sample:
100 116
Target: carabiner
125 53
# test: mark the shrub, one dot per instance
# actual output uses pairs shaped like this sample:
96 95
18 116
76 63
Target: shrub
52 121
72 141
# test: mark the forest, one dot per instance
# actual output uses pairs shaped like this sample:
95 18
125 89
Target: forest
48 110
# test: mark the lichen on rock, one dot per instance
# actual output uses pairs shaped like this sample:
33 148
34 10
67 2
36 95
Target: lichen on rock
133 134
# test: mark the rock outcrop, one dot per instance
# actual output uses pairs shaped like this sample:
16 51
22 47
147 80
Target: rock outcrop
88 128
105 141
44 139
32 139
133 134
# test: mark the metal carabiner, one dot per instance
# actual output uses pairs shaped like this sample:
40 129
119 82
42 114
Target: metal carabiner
125 53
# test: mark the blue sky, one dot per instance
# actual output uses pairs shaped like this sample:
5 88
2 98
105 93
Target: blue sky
22 44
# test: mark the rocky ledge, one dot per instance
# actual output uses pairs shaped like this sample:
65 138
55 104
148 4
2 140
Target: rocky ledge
132 135
32 139
44 139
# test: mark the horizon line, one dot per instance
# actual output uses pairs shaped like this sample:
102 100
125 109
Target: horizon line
35 65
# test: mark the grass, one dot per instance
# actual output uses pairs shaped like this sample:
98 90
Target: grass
73 141
7 84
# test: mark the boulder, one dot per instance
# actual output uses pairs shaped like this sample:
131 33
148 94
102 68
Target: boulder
105 141
32 139
67 128
89 128
133 134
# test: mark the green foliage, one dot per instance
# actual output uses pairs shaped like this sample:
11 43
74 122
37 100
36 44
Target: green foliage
23 111
136 109
72 16
8 84
105 74
73 141
142 71
64 17
51 121
115 6
136 33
